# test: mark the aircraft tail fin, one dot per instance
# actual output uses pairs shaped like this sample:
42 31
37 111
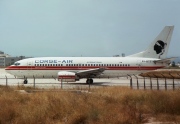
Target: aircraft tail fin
159 47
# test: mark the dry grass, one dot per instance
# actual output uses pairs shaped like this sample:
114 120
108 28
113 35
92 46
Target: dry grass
163 73
103 105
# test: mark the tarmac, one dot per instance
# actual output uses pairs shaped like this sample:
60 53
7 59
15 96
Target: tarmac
51 83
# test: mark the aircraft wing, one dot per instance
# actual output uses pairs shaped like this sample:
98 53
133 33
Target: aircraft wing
90 73
167 60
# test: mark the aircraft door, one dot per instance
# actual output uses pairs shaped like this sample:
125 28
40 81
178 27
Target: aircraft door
138 65
29 65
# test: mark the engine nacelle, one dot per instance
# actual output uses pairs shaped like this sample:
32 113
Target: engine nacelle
66 76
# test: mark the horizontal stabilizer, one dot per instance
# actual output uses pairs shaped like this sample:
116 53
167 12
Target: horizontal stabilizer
167 60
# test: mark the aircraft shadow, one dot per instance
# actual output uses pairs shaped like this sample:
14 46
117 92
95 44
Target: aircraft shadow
96 84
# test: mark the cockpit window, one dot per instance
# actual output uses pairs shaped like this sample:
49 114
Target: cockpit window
16 63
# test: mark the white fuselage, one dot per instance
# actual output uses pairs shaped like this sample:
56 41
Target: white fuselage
47 67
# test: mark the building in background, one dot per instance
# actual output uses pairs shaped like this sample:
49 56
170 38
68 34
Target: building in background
7 60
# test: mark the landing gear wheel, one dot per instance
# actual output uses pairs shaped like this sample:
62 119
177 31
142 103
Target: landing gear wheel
25 81
89 81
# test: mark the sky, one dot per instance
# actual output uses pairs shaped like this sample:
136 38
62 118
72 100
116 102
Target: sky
85 28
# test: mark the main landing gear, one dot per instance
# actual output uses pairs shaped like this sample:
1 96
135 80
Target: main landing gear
25 81
89 81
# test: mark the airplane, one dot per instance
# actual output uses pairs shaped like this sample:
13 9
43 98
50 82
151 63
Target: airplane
72 69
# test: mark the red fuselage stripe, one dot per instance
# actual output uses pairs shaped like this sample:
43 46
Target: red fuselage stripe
82 67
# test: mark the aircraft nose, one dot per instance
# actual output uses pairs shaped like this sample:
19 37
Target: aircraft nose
7 69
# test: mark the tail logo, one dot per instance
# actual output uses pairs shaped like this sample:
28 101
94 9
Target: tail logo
159 47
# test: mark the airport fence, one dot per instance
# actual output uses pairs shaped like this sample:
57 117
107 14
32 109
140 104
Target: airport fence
132 81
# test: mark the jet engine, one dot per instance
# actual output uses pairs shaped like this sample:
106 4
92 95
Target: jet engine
66 76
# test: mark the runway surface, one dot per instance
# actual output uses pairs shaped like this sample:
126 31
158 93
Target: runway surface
55 84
